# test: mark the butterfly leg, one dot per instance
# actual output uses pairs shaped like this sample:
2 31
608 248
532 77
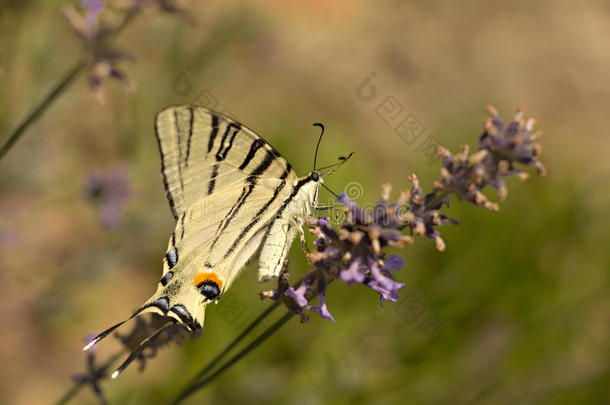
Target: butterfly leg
302 237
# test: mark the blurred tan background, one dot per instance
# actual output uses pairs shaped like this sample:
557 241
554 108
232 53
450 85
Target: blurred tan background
523 296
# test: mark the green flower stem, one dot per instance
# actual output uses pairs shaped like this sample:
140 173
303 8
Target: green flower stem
46 102
198 382
210 365
55 92
234 342
79 385
197 385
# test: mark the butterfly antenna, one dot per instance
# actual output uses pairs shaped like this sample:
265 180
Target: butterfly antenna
342 160
315 156
338 165
138 349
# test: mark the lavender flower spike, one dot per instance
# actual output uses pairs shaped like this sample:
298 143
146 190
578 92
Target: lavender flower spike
321 308
298 294
353 252
352 274
394 262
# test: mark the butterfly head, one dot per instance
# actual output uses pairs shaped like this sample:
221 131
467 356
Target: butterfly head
317 181
306 195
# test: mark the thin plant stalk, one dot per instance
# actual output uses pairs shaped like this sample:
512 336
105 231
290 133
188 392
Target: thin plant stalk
198 382
79 385
234 342
55 92
438 199
196 386
210 365
44 104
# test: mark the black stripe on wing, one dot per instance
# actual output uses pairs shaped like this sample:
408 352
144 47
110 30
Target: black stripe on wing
252 179
172 257
213 132
258 215
264 165
182 226
256 145
188 142
224 150
170 198
179 140
212 182
185 317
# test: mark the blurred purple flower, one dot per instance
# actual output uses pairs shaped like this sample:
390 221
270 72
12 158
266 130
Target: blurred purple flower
143 341
500 150
8 238
147 326
321 307
394 262
384 284
108 191
92 10
352 274
102 59
423 216
298 295
93 374
94 33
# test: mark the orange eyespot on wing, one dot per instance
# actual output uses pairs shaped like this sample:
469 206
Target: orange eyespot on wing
201 278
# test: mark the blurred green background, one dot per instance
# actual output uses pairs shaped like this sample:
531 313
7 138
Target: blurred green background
520 299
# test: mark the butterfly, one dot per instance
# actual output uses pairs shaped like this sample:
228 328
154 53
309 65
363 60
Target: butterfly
230 192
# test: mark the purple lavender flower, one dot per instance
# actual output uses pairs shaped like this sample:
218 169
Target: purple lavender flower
93 33
109 191
500 150
321 307
384 284
102 59
298 295
296 299
93 8
353 253
423 216
394 262
352 273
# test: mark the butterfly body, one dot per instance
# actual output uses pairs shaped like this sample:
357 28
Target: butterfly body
230 192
